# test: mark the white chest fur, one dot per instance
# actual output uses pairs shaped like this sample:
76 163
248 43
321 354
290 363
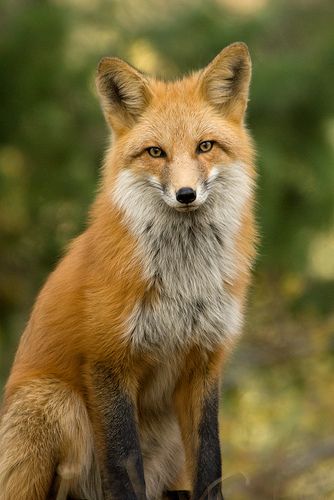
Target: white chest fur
187 257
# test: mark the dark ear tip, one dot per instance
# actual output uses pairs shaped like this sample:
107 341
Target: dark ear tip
103 64
106 64
238 48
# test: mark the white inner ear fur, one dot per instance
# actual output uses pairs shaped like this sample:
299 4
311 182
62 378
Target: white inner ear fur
226 80
124 91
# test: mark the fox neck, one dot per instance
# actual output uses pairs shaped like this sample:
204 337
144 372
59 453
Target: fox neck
177 246
185 261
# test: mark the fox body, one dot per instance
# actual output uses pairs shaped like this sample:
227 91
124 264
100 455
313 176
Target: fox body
114 389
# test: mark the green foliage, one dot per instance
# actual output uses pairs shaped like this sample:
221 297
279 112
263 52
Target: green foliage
51 140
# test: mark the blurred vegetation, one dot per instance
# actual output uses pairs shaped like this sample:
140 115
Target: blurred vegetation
278 397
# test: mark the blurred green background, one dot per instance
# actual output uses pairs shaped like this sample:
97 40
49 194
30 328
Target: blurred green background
278 419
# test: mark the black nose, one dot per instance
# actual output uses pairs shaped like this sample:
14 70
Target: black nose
186 195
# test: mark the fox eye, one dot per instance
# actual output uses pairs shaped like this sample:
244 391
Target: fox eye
205 146
156 152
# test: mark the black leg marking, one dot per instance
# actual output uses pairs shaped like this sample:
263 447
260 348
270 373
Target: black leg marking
208 476
123 461
176 495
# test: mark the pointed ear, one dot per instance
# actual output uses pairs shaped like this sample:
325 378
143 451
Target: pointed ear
124 92
225 81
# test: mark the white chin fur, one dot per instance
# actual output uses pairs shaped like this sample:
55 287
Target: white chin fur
186 208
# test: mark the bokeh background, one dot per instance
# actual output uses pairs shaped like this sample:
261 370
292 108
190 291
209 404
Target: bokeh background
278 397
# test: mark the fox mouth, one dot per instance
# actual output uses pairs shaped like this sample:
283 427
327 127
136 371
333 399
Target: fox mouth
188 208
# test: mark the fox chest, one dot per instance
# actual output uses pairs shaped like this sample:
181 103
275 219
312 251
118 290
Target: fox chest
187 302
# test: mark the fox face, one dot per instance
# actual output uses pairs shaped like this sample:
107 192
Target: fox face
179 178
176 141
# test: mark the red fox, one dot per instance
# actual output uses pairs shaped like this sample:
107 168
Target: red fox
114 389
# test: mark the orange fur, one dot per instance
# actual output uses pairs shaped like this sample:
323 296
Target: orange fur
82 313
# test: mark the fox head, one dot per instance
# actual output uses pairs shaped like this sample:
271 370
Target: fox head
176 143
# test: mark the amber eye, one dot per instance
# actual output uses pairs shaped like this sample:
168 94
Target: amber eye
156 152
205 146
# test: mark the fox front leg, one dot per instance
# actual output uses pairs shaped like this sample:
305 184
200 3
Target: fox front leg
176 495
117 437
196 401
208 476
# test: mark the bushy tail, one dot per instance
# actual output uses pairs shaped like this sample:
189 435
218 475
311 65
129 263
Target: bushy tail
46 440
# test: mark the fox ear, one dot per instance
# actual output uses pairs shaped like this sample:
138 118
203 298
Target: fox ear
124 92
225 81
